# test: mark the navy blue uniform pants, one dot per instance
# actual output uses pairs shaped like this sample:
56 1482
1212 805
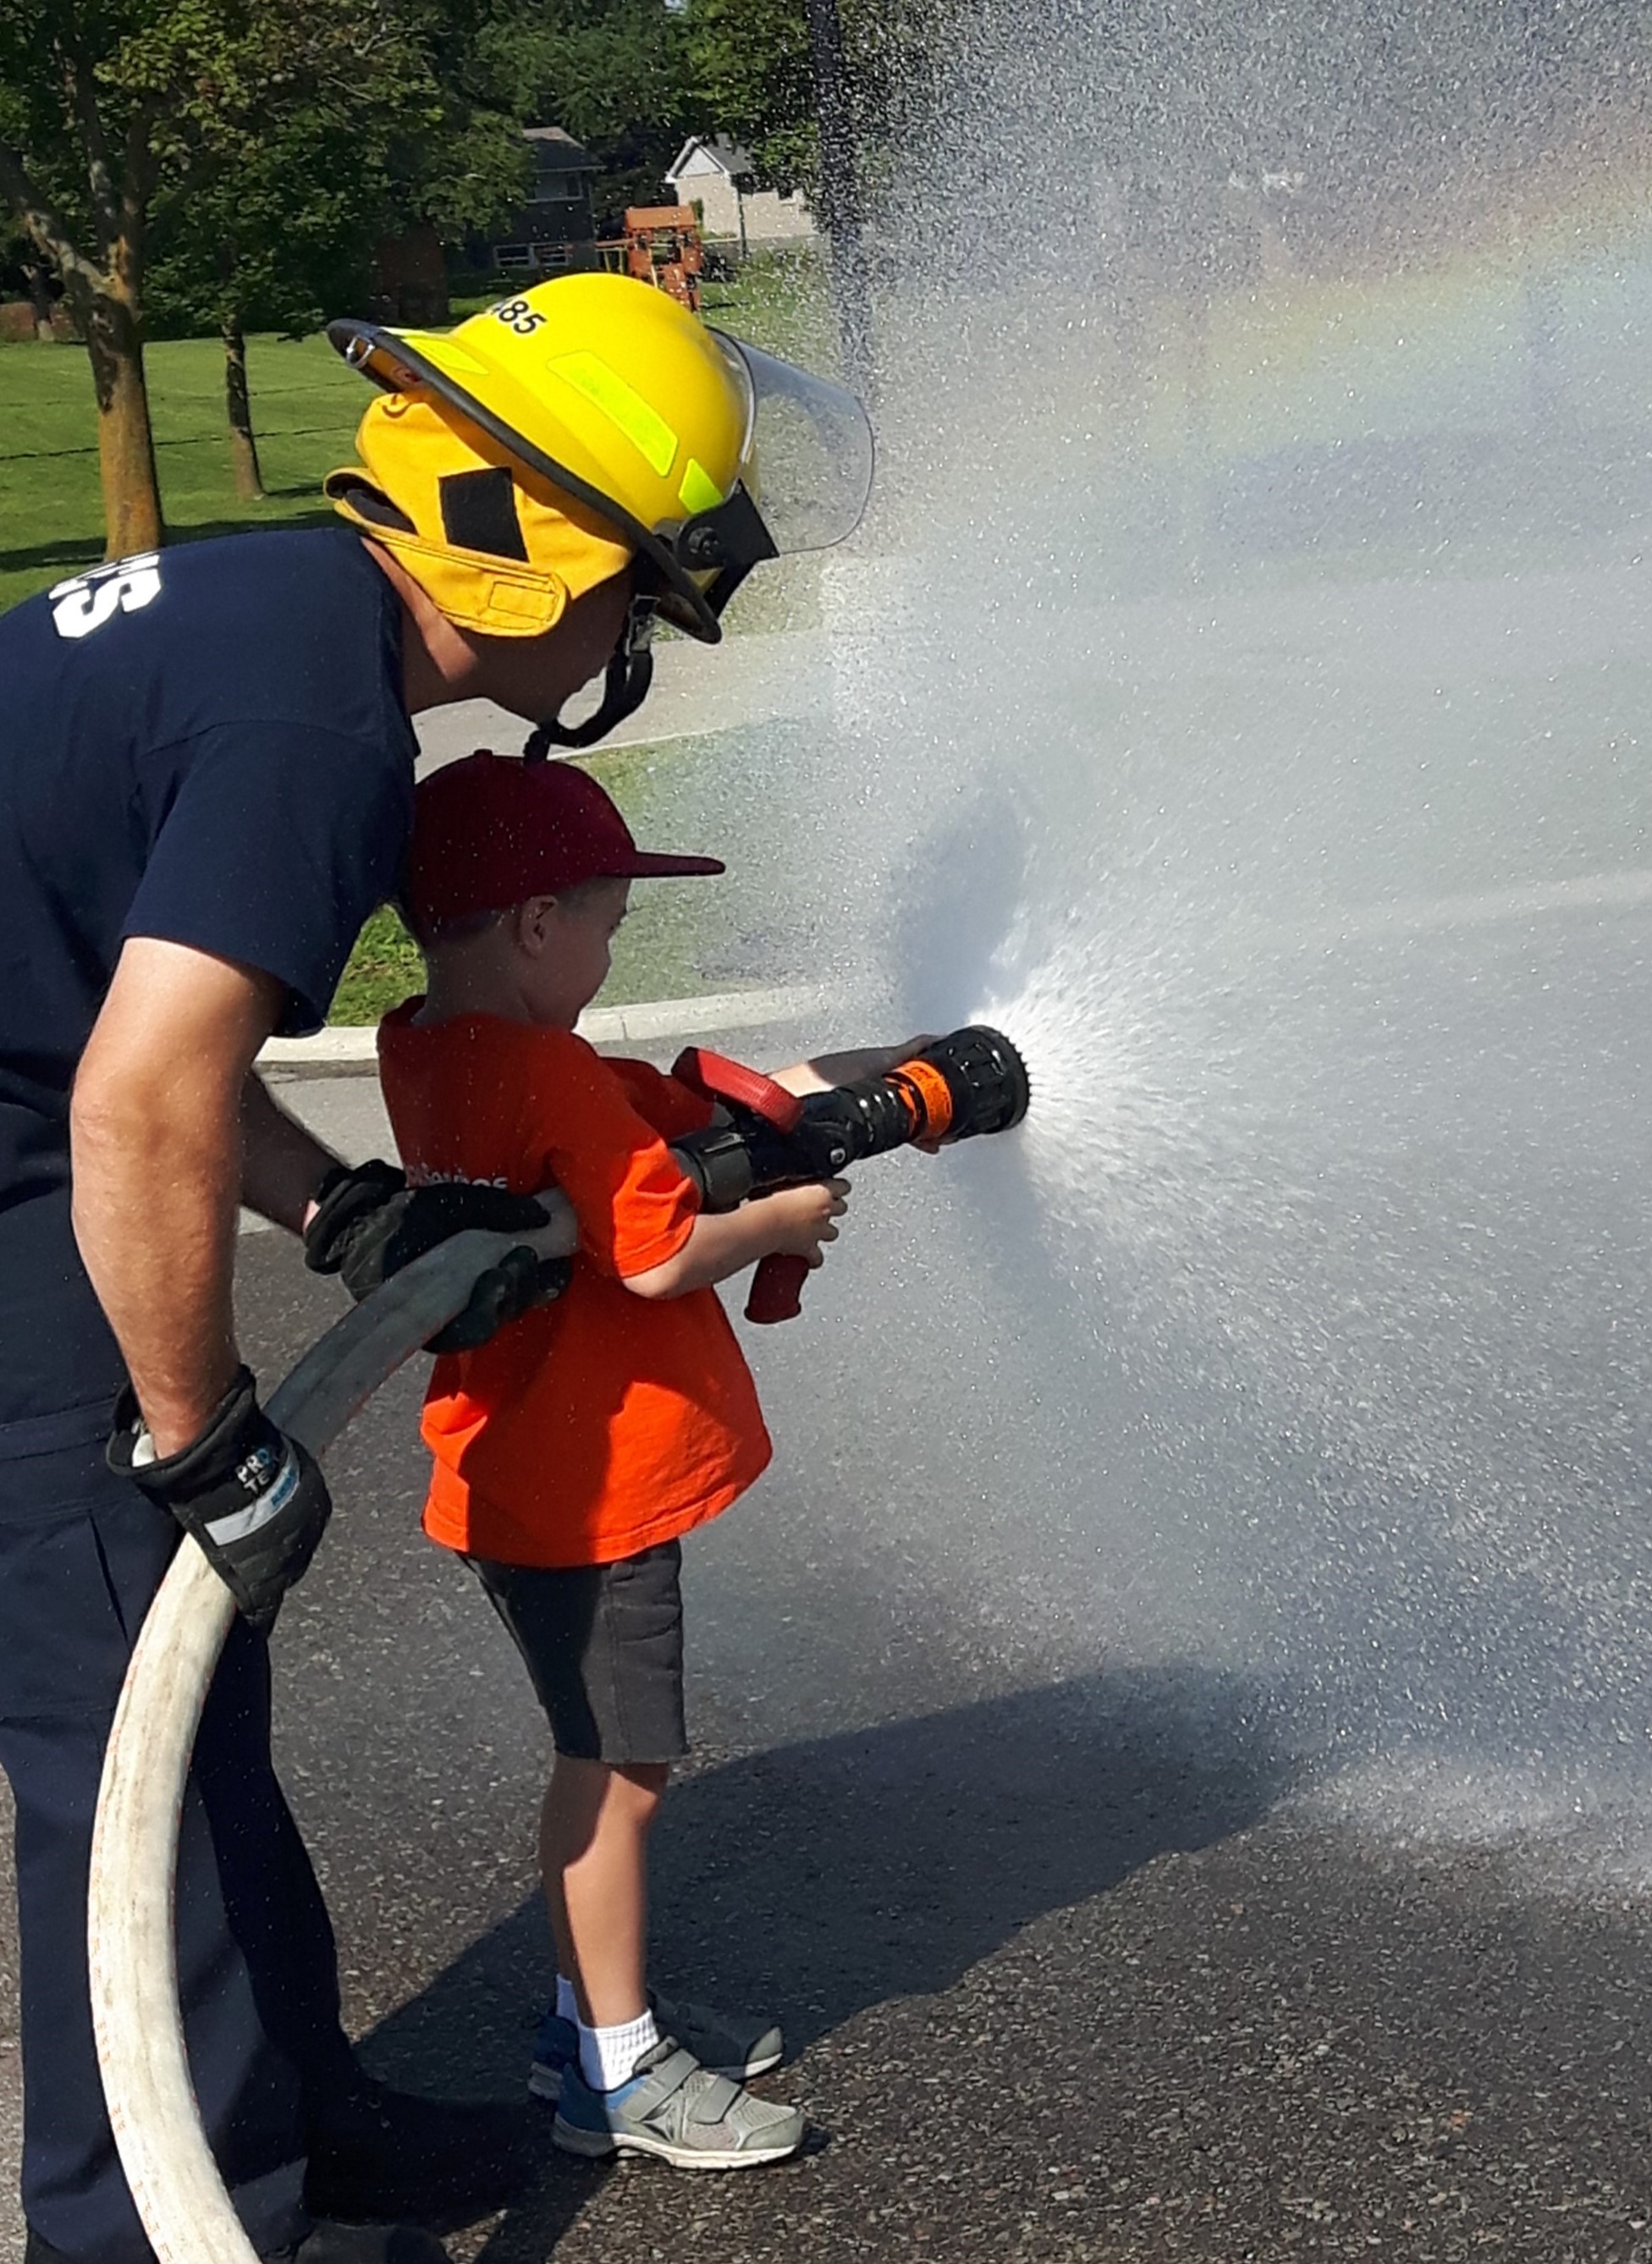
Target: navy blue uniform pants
81 1555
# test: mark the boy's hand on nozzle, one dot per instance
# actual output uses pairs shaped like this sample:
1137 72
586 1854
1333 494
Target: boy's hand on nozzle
787 1227
807 1216
803 1218
826 1070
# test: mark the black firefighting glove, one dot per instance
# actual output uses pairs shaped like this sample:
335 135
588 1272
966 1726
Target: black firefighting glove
369 1223
254 1500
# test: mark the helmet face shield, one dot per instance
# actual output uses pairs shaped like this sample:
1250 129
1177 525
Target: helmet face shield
812 448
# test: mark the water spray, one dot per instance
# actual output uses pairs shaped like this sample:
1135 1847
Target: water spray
961 1086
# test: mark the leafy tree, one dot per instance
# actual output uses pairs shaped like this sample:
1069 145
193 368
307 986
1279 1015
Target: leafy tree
280 233
252 142
751 76
97 103
23 269
752 81
461 163
614 73
113 114
278 243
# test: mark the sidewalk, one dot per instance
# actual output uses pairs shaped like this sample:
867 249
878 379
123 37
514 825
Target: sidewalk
348 1051
697 688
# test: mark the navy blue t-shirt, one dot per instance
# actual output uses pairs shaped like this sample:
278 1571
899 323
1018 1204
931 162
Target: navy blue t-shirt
207 746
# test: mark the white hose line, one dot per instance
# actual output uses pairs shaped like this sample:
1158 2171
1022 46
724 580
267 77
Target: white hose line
132 1951
131 1944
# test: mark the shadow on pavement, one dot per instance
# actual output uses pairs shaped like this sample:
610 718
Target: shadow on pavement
829 1877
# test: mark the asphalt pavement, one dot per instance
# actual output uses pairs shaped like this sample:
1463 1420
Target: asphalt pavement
1058 1981
1062 1975
1065 1971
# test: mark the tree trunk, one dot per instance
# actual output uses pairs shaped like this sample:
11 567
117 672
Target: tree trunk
243 444
125 446
34 276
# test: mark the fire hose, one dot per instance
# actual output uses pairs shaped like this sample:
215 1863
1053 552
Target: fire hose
132 1952
971 1083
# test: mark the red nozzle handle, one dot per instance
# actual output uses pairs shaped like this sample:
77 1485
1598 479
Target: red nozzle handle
777 1288
715 1078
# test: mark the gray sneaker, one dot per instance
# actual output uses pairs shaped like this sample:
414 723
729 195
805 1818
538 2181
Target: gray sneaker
725 2043
675 2108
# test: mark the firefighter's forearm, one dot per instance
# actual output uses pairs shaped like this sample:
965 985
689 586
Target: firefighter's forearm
156 1179
282 1164
155 1132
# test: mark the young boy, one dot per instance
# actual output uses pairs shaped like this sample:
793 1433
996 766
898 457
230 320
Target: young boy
574 1451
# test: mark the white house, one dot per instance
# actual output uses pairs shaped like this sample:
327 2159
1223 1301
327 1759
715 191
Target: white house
718 176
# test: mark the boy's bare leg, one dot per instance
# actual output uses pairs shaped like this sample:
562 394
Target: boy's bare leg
593 1859
632 2090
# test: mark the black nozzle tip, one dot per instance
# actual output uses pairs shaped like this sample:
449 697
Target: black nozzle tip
986 1077
1015 1085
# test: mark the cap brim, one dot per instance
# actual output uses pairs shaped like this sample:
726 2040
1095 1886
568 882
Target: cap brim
648 865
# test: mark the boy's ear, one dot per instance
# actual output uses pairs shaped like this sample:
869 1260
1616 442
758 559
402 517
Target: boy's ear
531 923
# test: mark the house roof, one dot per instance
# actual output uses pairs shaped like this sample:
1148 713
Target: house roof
557 152
726 157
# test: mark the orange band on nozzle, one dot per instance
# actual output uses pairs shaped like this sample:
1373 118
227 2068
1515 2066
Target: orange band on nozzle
928 1095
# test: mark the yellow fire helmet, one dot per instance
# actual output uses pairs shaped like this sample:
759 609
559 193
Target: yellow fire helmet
527 455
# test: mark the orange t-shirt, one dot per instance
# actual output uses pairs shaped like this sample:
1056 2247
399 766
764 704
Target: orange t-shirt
605 1422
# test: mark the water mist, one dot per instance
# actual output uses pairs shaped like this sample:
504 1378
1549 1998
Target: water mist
1242 698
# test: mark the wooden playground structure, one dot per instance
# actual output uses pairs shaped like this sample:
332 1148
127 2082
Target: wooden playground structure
661 245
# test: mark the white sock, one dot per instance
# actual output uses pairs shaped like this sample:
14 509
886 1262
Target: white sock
608 2055
567 2003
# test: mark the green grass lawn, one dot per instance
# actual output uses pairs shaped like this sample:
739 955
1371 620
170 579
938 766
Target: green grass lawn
780 300
384 969
306 405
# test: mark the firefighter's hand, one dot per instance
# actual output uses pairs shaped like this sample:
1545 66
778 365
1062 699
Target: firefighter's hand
369 1223
804 1219
254 1500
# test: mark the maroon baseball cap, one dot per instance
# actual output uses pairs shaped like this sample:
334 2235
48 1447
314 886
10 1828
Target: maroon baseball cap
492 831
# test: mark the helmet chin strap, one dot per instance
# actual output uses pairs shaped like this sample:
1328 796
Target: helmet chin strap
625 686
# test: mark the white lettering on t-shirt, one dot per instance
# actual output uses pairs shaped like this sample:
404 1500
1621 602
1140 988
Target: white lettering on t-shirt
86 601
420 1175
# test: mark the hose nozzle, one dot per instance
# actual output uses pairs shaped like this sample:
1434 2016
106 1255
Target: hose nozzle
972 1081
963 1086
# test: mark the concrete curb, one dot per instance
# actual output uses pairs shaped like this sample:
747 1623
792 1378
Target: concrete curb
350 1051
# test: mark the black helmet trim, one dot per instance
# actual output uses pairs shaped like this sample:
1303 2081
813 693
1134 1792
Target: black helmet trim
732 537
